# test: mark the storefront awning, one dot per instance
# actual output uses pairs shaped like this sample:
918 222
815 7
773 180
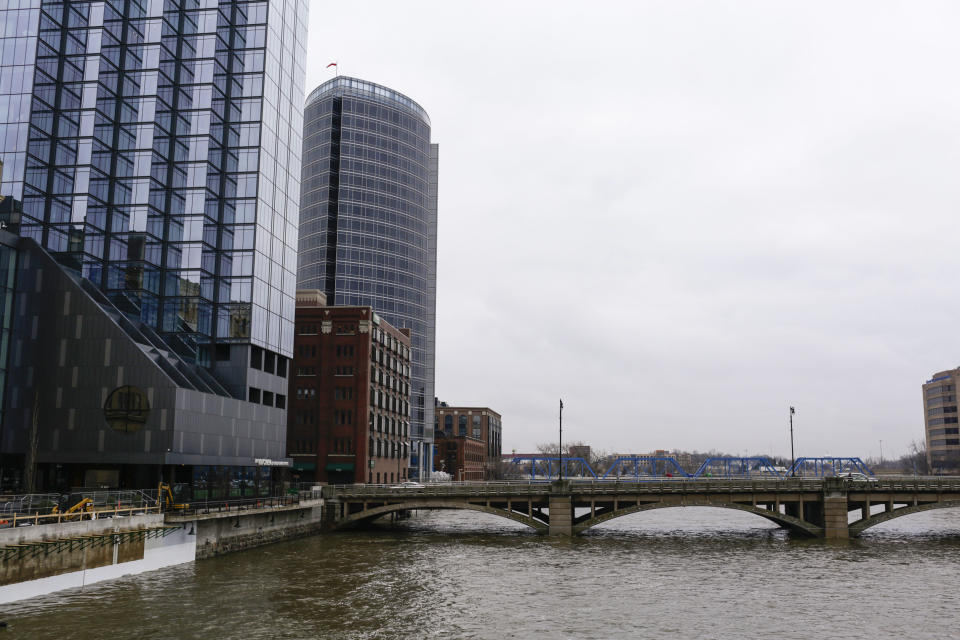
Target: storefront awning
339 466
304 466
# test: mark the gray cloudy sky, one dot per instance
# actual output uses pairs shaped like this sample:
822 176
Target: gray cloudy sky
683 217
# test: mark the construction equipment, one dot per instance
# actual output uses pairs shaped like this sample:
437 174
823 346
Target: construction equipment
78 506
165 496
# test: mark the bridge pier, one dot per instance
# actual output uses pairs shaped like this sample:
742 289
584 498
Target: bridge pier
561 509
330 515
835 509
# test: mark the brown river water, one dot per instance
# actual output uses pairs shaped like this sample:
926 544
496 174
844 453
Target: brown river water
670 573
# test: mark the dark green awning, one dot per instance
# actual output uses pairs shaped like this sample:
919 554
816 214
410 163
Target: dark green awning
339 466
305 466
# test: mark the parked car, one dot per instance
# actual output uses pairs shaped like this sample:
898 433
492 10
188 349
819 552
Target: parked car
856 476
409 484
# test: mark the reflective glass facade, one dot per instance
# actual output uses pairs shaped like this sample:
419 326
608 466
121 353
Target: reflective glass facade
155 147
368 218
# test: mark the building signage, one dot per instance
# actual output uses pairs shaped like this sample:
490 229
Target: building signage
267 462
126 409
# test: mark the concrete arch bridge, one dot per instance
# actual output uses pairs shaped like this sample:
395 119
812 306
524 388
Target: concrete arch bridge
817 507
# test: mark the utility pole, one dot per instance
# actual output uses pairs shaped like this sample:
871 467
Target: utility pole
561 440
792 459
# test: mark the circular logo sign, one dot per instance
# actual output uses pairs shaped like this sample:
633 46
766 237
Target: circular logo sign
126 409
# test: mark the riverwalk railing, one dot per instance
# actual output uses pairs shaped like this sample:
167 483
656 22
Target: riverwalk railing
35 519
235 504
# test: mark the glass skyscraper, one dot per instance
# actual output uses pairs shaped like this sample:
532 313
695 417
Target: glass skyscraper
151 166
154 146
368 221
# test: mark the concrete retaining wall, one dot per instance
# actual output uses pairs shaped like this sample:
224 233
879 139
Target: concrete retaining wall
47 572
245 530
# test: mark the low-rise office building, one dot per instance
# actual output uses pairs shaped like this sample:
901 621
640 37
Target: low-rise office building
480 424
349 420
940 416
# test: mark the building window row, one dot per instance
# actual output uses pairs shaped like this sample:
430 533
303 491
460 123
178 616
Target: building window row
343 445
945 442
941 410
266 398
268 362
307 351
932 402
945 432
932 391
304 393
947 420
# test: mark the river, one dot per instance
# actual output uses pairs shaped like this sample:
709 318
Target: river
670 573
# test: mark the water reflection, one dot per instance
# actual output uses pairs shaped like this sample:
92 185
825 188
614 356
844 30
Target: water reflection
687 572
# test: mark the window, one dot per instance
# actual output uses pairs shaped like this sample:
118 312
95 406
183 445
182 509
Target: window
256 358
281 401
253 395
268 398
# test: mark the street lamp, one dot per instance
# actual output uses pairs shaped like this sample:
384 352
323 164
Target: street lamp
793 461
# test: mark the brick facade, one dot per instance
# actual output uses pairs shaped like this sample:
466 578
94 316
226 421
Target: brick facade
349 418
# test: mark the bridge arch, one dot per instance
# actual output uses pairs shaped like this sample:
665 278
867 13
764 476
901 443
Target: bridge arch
793 524
368 515
858 527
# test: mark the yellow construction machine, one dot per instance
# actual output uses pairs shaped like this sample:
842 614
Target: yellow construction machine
165 496
84 505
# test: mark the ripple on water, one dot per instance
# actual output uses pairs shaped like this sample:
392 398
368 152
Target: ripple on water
668 573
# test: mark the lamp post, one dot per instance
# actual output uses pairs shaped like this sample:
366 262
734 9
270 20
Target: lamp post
793 462
561 440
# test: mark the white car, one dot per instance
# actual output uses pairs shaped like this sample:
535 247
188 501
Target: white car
408 485
856 476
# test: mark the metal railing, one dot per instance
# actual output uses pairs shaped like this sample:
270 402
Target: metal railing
226 505
37 518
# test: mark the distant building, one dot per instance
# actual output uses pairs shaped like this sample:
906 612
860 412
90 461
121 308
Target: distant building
349 418
481 424
940 420
580 451
368 221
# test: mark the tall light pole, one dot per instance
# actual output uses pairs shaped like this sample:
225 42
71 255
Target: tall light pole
881 453
560 476
793 461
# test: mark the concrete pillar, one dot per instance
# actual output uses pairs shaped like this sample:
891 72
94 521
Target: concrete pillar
835 525
561 515
330 514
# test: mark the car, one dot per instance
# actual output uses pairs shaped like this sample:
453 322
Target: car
856 476
410 484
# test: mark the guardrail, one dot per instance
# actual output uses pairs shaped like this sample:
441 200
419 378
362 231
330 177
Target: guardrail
236 504
36 519
659 484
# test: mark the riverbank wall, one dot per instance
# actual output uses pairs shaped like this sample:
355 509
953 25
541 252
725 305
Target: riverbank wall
42 559
37 560
224 532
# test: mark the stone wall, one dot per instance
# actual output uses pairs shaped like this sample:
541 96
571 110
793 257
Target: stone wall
226 533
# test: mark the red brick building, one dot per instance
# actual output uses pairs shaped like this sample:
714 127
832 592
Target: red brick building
468 441
349 416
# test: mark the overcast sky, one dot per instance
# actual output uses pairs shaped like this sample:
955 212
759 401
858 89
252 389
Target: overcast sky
684 217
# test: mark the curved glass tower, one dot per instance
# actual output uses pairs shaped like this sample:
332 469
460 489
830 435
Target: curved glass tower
368 220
